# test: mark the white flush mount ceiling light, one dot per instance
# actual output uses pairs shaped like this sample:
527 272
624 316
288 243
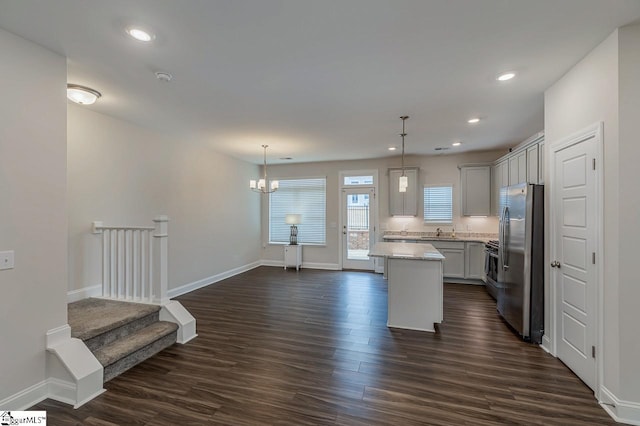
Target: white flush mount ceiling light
81 94
506 76
262 186
473 120
140 34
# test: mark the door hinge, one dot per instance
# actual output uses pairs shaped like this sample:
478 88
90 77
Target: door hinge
593 351
593 257
594 164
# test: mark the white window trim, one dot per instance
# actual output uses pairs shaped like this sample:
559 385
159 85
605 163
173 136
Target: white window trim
347 173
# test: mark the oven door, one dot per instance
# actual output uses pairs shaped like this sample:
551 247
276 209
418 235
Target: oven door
491 272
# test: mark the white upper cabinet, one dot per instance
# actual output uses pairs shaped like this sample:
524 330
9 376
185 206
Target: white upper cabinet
532 164
518 167
524 164
475 184
403 203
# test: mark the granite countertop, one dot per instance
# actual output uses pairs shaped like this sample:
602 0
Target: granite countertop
446 236
406 251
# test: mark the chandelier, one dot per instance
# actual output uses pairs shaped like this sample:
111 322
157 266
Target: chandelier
404 180
262 185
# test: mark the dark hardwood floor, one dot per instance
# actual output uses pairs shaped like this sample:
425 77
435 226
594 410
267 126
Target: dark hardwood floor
312 347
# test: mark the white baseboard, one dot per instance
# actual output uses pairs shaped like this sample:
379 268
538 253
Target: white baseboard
84 293
62 391
183 289
307 265
546 344
51 388
326 266
621 411
26 398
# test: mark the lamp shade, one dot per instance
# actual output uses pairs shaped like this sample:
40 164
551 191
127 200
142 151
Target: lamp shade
293 219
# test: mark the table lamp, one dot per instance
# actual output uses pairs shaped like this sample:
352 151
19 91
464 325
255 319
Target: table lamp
293 220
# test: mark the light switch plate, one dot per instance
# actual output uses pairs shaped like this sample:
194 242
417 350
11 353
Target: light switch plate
6 260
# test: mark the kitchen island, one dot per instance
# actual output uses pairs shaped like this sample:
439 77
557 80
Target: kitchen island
414 273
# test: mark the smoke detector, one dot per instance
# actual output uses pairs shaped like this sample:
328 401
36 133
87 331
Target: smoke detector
163 76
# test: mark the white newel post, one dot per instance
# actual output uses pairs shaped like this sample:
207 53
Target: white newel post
162 234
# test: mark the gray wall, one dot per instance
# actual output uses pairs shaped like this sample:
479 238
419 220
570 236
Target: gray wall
605 87
33 216
434 169
123 174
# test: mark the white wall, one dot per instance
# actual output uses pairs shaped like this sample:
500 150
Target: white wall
605 86
587 94
33 219
433 169
123 174
628 211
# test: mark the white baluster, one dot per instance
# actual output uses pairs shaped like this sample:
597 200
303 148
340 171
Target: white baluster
113 263
136 264
120 292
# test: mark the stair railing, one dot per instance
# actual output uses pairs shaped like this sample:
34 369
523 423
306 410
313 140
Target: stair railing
135 261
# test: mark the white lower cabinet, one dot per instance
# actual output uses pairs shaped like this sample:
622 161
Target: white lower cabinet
463 259
453 265
293 256
453 251
474 261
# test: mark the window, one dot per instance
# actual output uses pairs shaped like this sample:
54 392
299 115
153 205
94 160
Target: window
306 197
358 180
438 204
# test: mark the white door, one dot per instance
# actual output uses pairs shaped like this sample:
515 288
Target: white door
357 228
573 249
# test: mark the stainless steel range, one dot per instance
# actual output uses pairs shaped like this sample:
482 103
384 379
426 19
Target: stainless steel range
491 250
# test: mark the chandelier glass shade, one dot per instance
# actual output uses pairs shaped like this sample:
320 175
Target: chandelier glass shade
263 185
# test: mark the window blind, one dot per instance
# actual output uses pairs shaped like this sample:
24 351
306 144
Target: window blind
438 204
306 197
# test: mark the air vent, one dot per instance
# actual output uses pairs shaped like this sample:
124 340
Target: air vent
441 148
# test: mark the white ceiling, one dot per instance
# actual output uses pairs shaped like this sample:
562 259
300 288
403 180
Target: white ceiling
324 79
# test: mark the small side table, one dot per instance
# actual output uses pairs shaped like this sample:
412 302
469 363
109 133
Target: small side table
293 256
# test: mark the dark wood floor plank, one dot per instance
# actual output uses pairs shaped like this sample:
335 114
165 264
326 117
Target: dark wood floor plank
312 347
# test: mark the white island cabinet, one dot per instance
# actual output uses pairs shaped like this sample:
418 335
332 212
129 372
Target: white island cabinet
414 273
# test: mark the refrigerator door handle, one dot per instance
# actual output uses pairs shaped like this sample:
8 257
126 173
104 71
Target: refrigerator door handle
505 238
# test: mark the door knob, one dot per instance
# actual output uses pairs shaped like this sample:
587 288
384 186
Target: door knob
555 264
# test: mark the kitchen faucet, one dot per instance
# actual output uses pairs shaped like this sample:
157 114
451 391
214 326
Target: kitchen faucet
438 232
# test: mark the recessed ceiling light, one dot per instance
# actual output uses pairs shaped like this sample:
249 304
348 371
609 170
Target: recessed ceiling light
392 148
456 143
506 76
473 120
140 34
81 94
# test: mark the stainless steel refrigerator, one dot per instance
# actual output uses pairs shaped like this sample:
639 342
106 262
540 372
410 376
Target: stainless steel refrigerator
521 259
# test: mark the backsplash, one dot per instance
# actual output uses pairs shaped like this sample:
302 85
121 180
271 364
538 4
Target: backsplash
428 234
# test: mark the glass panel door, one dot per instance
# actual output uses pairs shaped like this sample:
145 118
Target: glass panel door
357 229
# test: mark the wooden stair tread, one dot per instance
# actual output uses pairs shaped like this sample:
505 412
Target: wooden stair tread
113 352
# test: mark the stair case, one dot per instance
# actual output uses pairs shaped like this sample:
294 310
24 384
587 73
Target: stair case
120 334
132 320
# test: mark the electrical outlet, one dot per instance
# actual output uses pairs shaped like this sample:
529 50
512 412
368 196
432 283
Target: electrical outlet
468 227
6 260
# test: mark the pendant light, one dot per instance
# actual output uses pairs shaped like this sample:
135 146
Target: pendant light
403 182
262 185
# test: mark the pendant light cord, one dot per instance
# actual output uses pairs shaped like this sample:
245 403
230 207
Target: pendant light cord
403 134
